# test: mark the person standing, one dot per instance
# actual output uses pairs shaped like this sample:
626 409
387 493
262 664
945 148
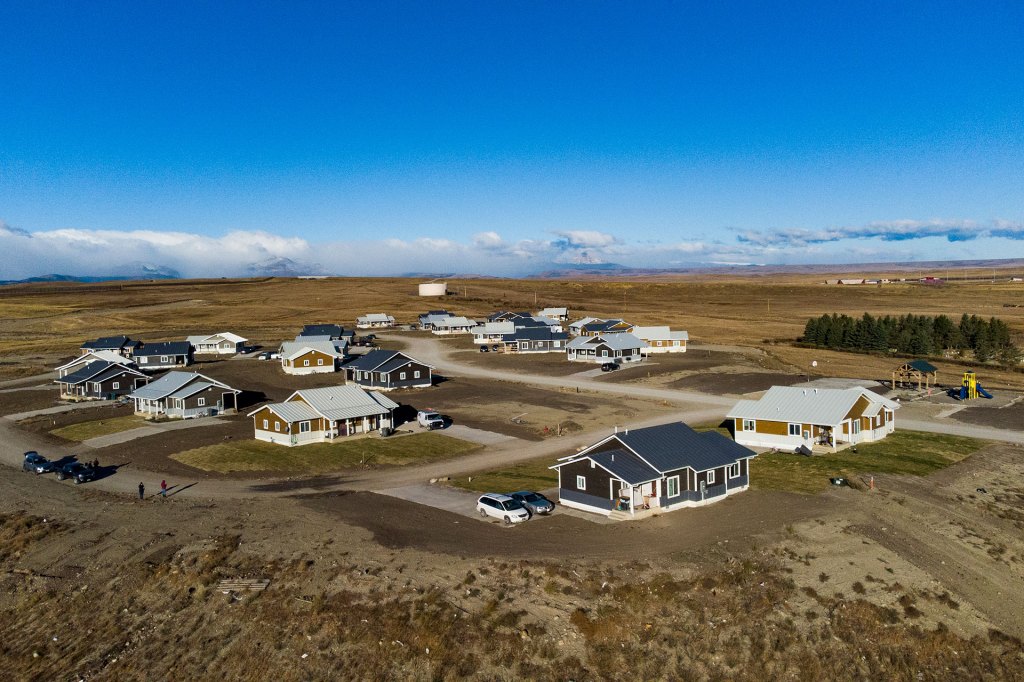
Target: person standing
142 491
163 489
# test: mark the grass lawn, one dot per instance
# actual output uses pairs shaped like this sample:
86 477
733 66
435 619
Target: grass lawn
256 455
902 452
533 475
100 427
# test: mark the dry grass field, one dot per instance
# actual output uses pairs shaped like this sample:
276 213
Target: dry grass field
916 580
42 323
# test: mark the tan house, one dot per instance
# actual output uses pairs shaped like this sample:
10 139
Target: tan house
318 415
661 339
310 357
787 417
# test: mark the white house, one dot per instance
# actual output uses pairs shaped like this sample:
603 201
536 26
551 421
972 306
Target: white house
453 325
375 321
223 343
560 314
661 339
787 417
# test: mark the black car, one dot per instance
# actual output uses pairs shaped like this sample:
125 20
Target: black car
609 367
77 471
495 347
484 349
36 463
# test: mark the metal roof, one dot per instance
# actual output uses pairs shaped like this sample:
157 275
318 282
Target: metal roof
662 333
226 336
825 406
345 402
553 312
191 389
503 327
295 411
375 317
171 383
617 341
455 322
110 342
293 349
923 366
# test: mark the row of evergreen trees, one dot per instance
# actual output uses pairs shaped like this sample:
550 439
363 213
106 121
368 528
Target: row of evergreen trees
914 335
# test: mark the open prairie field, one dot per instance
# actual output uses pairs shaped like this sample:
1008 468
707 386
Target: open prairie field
40 324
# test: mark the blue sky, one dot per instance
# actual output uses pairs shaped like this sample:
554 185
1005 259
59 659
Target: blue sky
501 137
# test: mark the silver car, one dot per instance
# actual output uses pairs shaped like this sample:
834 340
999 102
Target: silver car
502 507
535 503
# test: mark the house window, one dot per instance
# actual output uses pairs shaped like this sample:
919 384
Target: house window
401 376
749 425
416 374
266 424
303 427
144 360
277 426
604 354
201 402
116 385
163 359
672 486
320 361
856 426
305 363
734 470
711 477
581 483
794 429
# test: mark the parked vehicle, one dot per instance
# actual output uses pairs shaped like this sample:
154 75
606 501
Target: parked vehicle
495 347
609 367
484 349
502 507
430 419
265 355
77 471
36 463
535 503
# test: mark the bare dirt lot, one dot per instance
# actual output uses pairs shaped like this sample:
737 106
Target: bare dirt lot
25 400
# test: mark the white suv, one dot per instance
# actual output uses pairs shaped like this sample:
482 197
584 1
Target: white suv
502 507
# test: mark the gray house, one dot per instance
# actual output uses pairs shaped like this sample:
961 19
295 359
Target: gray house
185 395
100 380
618 347
387 369
165 355
663 467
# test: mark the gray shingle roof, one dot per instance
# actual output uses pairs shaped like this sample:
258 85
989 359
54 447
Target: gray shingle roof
380 360
191 389
617 341
673 446
626 465
332 330
165 348
923 366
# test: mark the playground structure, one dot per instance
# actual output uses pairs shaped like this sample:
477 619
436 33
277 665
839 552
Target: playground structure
970 389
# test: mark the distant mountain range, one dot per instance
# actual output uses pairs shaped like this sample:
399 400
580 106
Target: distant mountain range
286 267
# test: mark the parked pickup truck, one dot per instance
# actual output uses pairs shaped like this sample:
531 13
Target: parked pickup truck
430 419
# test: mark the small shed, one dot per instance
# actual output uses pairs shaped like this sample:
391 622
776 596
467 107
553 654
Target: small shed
915 371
